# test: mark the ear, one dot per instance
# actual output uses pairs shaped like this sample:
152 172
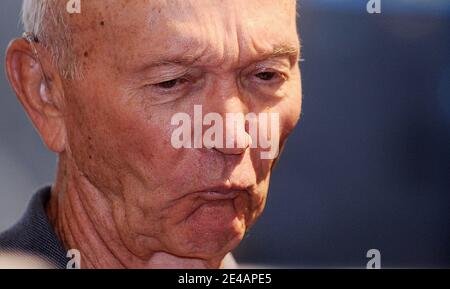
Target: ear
41 96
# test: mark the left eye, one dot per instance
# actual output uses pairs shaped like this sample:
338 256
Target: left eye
266 76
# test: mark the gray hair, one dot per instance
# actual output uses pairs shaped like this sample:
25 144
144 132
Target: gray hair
46 19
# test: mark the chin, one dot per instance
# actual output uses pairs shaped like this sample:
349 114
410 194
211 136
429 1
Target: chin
212 230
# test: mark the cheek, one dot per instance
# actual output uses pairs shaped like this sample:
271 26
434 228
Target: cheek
291 108
113 143
288 111
138 148
94 150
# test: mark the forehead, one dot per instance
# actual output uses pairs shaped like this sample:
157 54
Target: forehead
155 28
122 11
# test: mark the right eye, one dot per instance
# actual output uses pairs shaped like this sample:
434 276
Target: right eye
170 84
172 87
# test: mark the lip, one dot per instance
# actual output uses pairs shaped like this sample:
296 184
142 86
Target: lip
226 192
217 196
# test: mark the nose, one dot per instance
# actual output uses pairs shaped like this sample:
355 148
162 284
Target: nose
236 144
228 103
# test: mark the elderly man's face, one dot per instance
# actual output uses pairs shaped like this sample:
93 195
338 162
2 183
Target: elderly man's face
143 62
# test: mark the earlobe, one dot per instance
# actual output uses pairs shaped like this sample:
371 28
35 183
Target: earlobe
31 86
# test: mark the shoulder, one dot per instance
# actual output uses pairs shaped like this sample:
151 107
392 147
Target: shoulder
33 233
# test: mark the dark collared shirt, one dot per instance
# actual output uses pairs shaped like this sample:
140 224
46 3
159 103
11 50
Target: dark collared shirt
34 235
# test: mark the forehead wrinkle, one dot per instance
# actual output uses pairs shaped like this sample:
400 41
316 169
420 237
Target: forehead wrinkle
224 41
197 50
183 46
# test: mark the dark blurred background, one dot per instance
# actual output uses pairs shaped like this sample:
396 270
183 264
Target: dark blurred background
369 164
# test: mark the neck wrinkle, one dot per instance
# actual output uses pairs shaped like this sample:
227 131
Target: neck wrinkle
77 224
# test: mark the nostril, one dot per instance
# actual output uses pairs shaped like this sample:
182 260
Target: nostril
231 151
237 147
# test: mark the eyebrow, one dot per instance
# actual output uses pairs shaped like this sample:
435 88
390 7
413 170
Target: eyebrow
282 50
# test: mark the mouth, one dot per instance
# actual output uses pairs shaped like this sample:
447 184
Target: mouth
221 193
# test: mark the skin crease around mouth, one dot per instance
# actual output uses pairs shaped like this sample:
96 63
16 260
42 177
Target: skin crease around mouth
123 196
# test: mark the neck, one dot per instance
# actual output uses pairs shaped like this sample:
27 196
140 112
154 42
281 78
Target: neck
83 219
